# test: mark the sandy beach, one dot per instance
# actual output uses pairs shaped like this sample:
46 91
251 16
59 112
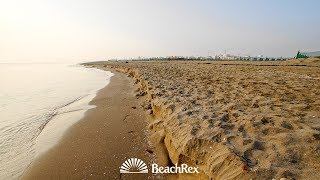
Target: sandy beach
233 119
97 145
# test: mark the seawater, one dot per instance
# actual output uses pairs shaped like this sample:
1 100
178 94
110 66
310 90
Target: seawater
38 103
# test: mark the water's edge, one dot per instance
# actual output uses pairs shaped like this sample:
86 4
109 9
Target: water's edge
39 103
63 118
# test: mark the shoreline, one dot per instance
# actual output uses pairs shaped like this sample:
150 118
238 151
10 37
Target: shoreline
97 145
55 128
48 94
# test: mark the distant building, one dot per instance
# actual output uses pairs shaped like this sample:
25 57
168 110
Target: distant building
308 54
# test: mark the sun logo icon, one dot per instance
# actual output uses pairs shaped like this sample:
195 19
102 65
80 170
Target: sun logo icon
134 165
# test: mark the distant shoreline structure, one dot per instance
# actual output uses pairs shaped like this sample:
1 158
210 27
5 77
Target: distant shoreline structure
315 54
222 57
218 57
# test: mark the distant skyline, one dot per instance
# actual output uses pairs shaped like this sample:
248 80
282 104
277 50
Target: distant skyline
83 30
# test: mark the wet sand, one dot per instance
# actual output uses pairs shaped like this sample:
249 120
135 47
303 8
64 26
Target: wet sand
96 146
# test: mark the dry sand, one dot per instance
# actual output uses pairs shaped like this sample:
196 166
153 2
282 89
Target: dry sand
235 120
96 147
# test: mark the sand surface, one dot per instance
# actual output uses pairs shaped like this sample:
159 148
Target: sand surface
97 145
233 119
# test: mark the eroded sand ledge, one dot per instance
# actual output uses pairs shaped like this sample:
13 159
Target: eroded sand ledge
235 120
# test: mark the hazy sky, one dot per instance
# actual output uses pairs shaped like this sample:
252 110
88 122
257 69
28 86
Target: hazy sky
80 30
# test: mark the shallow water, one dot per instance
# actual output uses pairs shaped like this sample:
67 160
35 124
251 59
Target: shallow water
38 102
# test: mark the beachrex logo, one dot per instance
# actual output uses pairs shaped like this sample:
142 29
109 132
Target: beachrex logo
135 165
